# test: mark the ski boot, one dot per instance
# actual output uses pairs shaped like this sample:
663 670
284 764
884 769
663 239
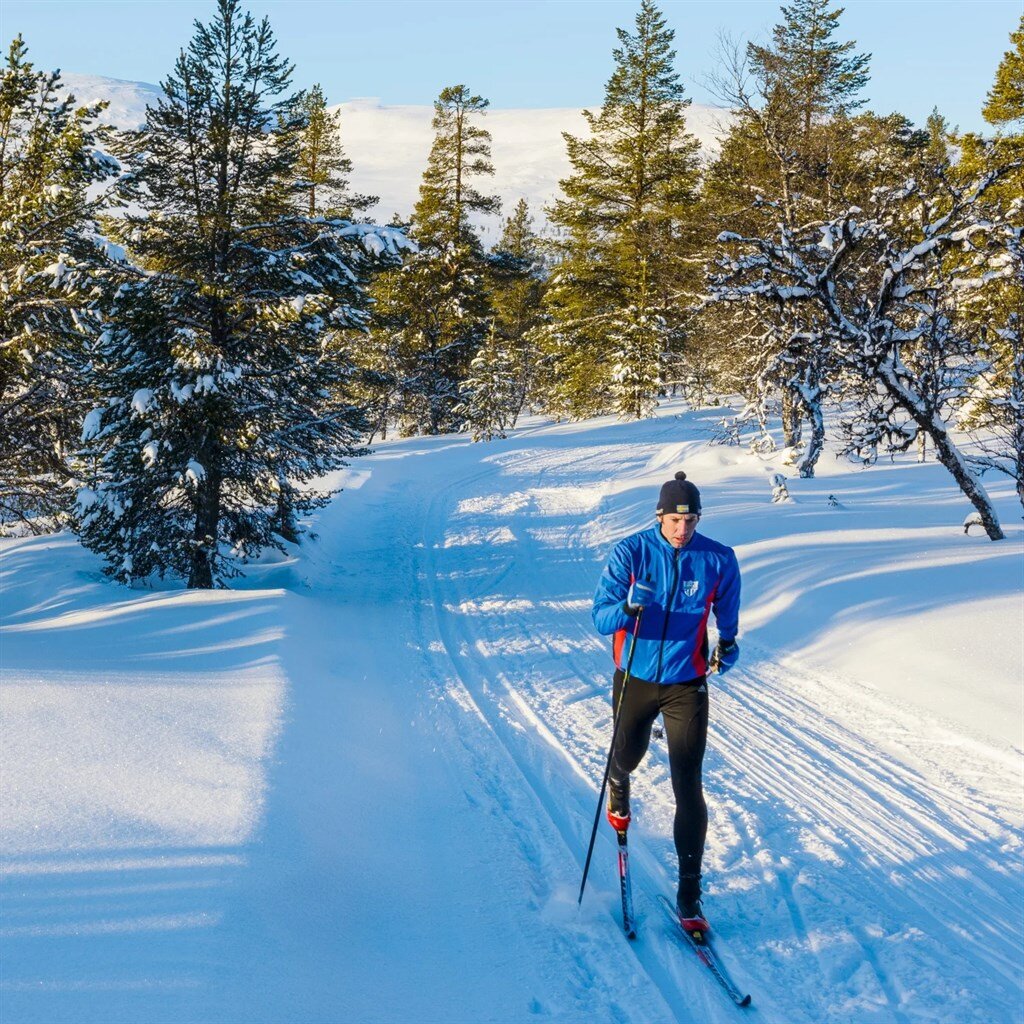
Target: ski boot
691 914
618 803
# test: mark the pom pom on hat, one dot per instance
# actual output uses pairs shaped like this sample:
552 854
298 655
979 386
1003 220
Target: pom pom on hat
679 497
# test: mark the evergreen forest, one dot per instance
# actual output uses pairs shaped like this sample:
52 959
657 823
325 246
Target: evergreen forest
200 319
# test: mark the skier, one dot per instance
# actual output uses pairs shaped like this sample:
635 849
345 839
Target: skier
672 578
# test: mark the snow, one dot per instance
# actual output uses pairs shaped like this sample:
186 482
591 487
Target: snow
128 100
142 400
388 145
92 424
360 785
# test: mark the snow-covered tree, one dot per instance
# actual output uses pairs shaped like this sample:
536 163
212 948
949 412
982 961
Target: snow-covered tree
612 297
517 290
994 298
491 389
637 334
997 416
51 186
787 159
218 378
994 410
435 312
884 283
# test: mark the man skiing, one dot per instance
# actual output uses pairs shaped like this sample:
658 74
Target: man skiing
664 582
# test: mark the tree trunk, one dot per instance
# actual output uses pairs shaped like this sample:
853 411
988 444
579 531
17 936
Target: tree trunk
949 455
204 533
817 442
791 432
285 518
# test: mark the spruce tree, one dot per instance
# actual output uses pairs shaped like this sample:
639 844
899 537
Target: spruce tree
51 175
517 291
492 395
217 379
434 312
622 217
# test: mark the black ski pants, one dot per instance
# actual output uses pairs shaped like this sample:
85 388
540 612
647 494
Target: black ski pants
684 710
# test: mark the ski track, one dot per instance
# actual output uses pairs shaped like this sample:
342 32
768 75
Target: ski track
471 691
562 786
828 868
864 857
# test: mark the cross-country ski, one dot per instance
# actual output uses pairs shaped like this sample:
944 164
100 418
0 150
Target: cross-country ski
700 942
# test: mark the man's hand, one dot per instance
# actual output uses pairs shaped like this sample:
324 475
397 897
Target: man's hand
640 595
727 653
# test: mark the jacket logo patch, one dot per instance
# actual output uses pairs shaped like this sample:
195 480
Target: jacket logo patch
690 587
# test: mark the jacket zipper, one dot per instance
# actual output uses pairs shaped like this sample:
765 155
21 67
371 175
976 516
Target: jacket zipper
671 601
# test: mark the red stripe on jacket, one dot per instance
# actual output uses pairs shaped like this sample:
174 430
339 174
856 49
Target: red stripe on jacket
700 665
619 640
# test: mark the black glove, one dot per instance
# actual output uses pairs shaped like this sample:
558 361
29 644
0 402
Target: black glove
727 653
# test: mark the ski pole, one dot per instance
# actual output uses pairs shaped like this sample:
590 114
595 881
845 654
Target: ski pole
611 753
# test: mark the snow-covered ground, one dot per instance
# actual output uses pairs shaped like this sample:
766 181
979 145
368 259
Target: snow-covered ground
359 786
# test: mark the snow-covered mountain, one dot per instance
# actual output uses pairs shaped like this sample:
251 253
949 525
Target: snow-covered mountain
128 100
388 144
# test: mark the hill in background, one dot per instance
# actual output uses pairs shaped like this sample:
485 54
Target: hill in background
388 145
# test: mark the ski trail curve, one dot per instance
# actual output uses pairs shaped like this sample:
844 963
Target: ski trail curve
481 639
837 854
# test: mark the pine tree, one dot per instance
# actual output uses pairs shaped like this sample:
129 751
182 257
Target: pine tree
322 165
1005 104
517 292
612 298
492 395
460 152
808 74
217 379
435 310
795 101
51 169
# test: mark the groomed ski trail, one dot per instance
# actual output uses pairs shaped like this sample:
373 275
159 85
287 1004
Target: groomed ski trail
828 883
442 895
543 768
414 850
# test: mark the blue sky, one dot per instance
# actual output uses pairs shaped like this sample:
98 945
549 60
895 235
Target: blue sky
525 53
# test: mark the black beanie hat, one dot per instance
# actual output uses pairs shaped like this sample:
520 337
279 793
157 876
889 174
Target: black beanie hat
679 497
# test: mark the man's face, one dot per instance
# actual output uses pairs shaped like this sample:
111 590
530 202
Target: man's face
678 529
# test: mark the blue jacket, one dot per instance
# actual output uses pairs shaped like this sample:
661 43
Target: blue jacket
689 583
